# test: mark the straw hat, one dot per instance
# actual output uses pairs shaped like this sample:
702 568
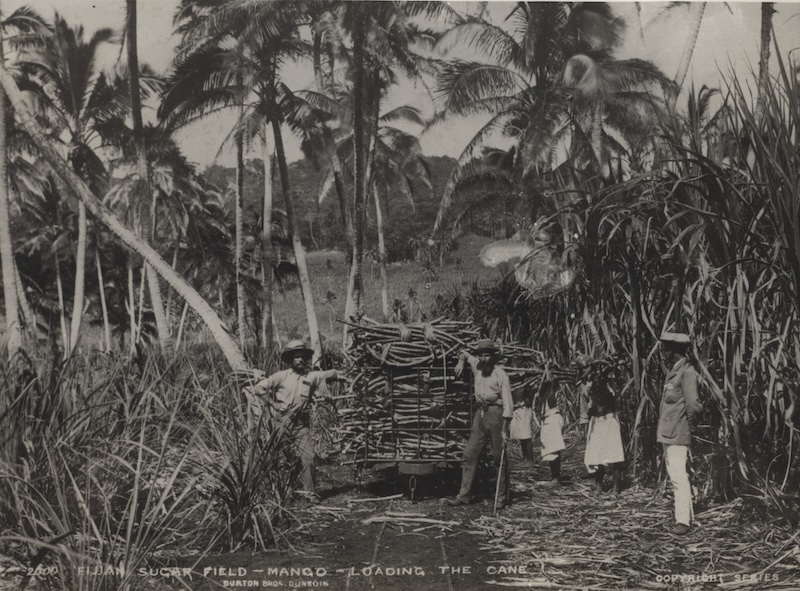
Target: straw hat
294 347
677 338
485 346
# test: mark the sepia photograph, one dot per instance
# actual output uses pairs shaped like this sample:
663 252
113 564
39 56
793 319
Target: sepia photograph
366 295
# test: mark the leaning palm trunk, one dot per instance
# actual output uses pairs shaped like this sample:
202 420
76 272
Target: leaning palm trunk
297 245
381 253
228 346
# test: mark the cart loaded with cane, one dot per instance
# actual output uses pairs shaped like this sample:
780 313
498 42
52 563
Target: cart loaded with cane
404 406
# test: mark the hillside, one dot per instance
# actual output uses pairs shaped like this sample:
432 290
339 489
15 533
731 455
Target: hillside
320 224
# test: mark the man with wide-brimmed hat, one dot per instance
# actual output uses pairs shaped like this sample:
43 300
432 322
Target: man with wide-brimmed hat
679 406
492 420
292 393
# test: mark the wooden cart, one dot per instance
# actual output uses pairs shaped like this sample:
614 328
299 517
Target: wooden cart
408 427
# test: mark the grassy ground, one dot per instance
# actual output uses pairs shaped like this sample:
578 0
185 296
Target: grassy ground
329 273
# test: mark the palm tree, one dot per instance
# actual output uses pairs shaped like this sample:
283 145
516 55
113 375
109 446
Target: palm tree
398 165
767 10
696 13
228 346
696 10
14 334
24 23
614 94
549 80
205 79
49 230
146 198
266 33
396 169
385 38
76 98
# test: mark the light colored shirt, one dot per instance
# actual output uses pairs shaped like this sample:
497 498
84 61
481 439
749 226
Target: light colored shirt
492 389
679 404
291 389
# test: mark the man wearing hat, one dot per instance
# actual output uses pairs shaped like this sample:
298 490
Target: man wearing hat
292 391
679 406
492 420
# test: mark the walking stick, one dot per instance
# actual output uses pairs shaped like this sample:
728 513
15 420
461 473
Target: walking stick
500 474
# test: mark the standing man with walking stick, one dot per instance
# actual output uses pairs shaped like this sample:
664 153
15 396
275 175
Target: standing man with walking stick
492 420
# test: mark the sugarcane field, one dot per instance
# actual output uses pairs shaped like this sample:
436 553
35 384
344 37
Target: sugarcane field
399 295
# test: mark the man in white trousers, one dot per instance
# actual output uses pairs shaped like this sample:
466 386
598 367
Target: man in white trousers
679 406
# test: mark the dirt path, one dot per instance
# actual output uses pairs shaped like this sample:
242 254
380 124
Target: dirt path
562 538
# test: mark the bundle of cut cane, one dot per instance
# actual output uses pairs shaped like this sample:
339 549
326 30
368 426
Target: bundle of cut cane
403 400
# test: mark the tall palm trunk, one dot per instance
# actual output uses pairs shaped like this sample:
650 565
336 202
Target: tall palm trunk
80 280
140 319
381 253
26 312
102 288
131 309
597 137
168 307
267 259
336 162
228 346
239 197
297 246
147 199
767 10
61 318
355 285
181 325
338 182
696 10
317 60
13 332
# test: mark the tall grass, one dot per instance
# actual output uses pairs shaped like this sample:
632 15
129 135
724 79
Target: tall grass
706 240
114 464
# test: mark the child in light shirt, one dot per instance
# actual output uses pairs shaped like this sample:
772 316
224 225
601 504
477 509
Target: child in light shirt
551 432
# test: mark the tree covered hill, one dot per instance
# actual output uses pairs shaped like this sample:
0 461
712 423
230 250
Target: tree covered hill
320 223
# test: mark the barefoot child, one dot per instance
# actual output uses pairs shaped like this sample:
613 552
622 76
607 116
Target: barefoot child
550 434
598 411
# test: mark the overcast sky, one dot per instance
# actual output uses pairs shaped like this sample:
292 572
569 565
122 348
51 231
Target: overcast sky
729 37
